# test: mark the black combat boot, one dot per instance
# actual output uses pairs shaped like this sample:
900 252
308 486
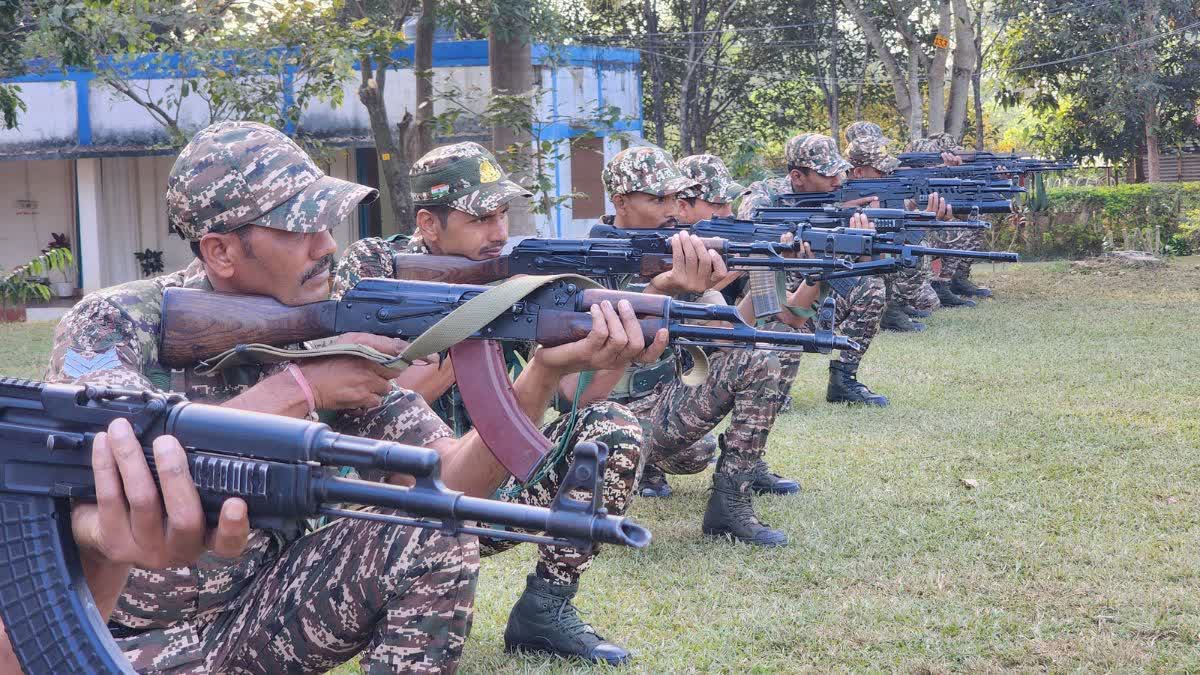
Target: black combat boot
844 386
896 319
544 620
767 483
731 512
947 296
654 483
963 287
916 313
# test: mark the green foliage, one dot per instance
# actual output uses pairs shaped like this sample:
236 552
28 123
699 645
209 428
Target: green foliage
27 282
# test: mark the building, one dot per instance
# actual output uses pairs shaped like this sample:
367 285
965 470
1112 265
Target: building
89 162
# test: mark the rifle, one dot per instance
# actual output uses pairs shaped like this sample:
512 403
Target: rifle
975 196
274 463
1012 163
597 257
885 220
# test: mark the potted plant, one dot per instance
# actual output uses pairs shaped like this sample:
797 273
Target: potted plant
26 282
66 287
150 260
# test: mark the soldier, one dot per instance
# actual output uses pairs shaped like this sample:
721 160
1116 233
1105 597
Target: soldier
132 524
471 220
814 165
908 291
953 284
257 212
643 184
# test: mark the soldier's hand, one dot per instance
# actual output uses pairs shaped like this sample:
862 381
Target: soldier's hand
859 221
871 202
940 206
133 523
803 251
346 382
387 345
951 159
614 341
694 268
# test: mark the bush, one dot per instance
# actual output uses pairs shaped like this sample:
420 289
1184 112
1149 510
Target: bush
1081 221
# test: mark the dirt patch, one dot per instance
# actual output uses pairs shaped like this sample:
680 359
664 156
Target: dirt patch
1117 262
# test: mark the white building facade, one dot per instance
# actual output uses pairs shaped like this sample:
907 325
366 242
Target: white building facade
88 162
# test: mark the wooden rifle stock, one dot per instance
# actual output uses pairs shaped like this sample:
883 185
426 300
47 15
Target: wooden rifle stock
449 269
198 325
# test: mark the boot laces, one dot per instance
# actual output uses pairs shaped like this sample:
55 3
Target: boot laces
741 508
568 618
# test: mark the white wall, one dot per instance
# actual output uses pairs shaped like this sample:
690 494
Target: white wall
49 120
24 231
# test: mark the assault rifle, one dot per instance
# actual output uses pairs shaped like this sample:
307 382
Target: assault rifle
273 463
972 196
599 258
885 220
1011 163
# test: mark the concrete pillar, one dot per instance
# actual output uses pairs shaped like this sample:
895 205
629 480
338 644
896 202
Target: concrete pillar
88 195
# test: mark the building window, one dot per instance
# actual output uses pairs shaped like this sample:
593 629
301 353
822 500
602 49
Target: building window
587 162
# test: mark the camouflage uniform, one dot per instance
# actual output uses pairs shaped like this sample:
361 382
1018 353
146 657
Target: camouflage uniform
965 240
400 597
604 422
858 314
743 382
910 286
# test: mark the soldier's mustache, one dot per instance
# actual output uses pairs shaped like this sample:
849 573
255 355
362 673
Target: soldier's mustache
321 265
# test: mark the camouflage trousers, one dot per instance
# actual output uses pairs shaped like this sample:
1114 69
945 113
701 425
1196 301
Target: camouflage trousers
912 287
963 240
857 317
743 383
604 422
402 598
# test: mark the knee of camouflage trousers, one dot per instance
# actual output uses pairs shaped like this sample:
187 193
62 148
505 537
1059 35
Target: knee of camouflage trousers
601 422
762 390
858 316
402 598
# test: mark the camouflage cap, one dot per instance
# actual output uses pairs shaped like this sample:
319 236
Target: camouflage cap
239 173
817 152
935 143
871 151
714 182
463 176
644 168
863 130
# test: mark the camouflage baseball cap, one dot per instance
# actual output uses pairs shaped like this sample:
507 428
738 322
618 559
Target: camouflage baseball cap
863 130
817 152
464 176
935 143
239 173
714 182
871 151
644 168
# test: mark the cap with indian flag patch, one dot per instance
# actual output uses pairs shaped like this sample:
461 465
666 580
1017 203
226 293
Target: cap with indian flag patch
464 176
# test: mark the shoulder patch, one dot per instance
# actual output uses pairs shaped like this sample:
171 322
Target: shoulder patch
77 364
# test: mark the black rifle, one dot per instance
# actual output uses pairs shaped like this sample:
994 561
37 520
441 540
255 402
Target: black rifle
1011 163
969 196
271 462
885 220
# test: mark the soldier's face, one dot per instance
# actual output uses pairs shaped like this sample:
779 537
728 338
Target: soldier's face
865 171
477 238
642 211
292 267
702 210
811 181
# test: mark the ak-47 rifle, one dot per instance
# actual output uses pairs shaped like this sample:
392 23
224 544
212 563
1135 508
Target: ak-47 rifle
968 196
885 220
600 258
273 463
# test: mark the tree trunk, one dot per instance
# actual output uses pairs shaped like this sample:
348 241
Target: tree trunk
394 162
915 112
423 68
833 92
900 89
977 80
1146 59
937 72
656 80
858 92
510 63
964 68
1153 154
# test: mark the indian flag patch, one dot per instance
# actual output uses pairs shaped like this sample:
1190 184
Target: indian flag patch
438 191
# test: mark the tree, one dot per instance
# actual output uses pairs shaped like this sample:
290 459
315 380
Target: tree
1112 79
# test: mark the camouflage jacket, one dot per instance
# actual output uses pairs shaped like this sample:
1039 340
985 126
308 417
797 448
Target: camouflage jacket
111 338
762 194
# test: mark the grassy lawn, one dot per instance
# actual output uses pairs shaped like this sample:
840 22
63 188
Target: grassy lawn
1069 404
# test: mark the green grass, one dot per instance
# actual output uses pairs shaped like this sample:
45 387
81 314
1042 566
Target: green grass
1071 400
